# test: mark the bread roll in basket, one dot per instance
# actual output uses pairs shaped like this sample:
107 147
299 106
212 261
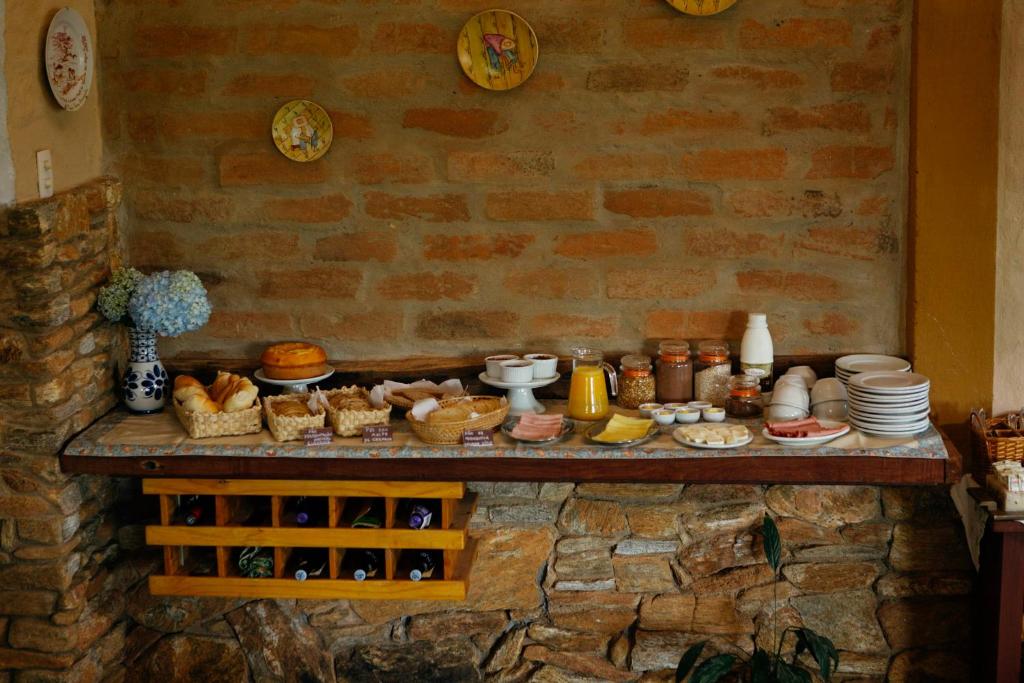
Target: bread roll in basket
347 414
484 412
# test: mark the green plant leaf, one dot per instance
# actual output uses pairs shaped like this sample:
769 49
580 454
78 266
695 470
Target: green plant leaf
772 543
789 673
688 659
713 669
760 667
823 651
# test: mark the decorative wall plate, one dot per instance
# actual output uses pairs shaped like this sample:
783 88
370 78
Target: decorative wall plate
302 130
702 7
498 49
69 58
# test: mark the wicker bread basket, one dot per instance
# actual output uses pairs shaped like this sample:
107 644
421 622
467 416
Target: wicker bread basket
404 403
207 425
1000 442
351 422
287 428
450 433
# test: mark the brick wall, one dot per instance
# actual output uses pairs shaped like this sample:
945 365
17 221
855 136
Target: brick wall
60 600
657 176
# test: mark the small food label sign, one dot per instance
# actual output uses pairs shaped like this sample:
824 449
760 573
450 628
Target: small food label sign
317 436
377 434
478 437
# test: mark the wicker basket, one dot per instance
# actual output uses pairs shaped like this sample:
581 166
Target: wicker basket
450 433
1000 442
351 422
286 428
405 404
207 425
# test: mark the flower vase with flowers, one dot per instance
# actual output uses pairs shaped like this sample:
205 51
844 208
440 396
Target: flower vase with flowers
166 304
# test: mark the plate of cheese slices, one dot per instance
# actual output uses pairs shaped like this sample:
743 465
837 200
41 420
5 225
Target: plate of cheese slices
708 435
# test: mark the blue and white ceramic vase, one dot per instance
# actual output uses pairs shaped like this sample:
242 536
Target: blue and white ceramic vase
145 380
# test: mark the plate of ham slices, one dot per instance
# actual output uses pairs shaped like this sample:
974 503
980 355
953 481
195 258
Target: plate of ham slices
807 432
537 429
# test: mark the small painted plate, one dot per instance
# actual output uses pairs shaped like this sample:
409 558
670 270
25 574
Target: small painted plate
567 428
702 7
302 130
497 49
599 427
69 59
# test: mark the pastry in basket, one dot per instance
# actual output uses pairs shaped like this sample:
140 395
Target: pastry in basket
294 360
467 409
229 393
290 409
342 402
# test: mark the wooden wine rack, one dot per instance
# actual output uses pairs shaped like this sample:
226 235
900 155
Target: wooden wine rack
448 536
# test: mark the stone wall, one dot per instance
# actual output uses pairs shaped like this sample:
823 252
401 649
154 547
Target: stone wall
612 583
60 606
657 176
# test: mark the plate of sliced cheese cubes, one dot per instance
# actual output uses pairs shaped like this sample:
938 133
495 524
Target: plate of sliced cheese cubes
706 435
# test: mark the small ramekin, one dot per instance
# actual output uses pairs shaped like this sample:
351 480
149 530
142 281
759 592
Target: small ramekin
517 371
687 415
699 405
664 416
714 414
494 364
647 409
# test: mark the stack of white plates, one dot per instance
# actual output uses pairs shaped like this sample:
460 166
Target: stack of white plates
892 403
848 366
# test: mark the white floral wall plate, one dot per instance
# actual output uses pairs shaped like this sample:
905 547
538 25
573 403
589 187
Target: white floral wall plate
69 59
702 7
302 130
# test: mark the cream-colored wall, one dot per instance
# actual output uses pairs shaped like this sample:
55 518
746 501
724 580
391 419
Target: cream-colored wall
34 120
1008 379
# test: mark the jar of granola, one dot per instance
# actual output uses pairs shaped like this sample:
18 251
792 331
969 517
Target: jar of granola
712 372
637 384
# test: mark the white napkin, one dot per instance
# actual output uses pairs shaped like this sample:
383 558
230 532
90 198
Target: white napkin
449 387
422 408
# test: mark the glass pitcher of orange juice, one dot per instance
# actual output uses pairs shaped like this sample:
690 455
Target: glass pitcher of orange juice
588 398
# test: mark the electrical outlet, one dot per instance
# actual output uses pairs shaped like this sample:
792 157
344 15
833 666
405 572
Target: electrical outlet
44 168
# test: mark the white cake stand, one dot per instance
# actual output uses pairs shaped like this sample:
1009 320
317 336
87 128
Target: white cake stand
520 394
292 386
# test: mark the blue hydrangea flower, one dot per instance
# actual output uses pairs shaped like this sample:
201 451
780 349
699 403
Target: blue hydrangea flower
169 303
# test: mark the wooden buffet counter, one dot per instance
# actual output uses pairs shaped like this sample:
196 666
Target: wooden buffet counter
155 446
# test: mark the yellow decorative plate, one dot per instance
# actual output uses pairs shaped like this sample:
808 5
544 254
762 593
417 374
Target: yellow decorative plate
702 7
498 49
302 130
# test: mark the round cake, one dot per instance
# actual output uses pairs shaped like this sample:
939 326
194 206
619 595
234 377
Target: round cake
294 360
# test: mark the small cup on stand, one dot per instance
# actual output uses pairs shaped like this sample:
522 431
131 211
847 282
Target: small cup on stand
517 371
494 364
545 365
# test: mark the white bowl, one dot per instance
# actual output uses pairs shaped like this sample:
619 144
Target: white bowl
699 405
687 415
827 389
714 414
516 371
791 394
831 410
545 365
794 380
805 371
647 409
494 364
664 416
783 413
674 406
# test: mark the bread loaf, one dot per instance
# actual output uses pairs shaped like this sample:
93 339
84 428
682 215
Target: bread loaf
186 386
221 385
241 395
201 403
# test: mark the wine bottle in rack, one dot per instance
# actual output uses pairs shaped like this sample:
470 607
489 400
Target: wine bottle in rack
422 566
367 517
367 565
194 510
256 563
303 511
419 517
310 567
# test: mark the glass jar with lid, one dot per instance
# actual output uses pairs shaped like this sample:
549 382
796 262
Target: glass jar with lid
711 372
674 376
745 399
637 384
